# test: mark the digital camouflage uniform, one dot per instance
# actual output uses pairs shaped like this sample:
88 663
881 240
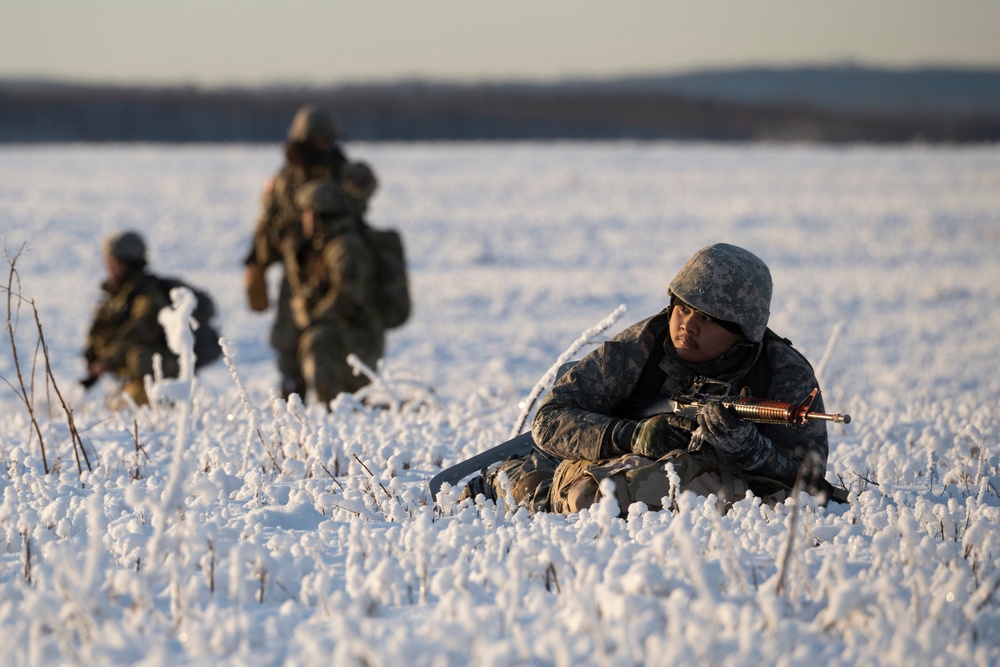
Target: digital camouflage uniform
330 277
125 333
311 153
583 436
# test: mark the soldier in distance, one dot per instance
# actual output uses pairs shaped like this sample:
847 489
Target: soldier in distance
330 311
125 334
312 152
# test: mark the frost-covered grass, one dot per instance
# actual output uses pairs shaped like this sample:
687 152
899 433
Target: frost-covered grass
232 527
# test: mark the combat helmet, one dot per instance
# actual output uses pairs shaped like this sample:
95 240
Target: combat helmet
324 197
312 123
358 180
127 246
728 283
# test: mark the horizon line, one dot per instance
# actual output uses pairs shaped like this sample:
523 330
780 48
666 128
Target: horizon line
490 81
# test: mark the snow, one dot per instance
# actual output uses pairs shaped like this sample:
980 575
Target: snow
231 527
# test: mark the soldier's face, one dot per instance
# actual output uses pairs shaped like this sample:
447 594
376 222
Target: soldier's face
115 269
698 337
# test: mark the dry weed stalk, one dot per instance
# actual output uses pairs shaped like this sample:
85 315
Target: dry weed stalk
793 521
27 394
26 397
26 535
137 473
372 476
78 447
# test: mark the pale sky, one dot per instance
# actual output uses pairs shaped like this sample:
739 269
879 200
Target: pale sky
248 42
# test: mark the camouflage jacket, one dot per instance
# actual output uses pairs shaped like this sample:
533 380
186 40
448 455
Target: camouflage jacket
577 419
125 325
331 278
279 218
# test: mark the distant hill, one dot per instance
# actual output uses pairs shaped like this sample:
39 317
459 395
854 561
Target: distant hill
952 91
836 104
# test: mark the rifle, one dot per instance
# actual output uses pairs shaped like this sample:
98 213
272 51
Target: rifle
758 410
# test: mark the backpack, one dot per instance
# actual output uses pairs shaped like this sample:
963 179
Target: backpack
391 290
206 336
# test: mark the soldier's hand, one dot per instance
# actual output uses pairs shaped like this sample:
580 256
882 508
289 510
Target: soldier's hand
737 438
721 428
656 436
256 286
95 368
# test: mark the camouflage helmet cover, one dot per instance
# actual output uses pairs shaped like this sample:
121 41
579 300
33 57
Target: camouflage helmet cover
358 180
311 123
728 283
322 196
127 246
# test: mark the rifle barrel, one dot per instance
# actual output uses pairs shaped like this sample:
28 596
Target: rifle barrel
837 418
767 411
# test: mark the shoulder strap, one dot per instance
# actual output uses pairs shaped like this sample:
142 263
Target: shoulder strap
144 284
758 378
166 283
652 376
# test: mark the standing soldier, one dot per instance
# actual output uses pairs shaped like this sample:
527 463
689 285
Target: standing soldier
330 275
125 334
311 152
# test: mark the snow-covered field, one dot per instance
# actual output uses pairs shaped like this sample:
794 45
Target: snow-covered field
233 528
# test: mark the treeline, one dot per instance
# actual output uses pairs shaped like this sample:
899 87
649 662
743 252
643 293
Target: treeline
426 112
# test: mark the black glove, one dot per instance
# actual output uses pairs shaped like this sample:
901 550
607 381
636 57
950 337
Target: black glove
658 435
720 427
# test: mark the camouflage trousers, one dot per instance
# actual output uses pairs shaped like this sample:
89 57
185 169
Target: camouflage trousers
528 480
545 484
138 364
322 354
284 339
316 358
